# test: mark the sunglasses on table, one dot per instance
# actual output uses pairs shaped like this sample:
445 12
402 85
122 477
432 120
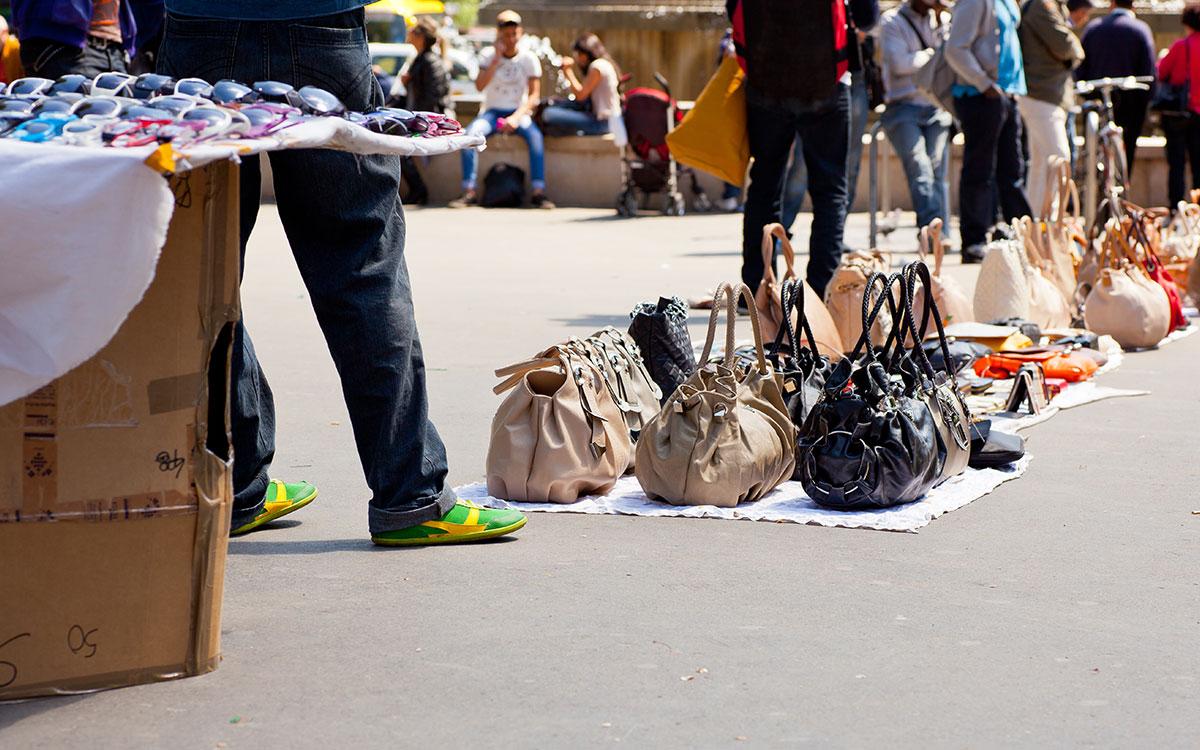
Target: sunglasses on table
177 104
60 103
113 84
193 87
72 83
217 122
310 100
231 93
29 87
101 106
150 85
41 129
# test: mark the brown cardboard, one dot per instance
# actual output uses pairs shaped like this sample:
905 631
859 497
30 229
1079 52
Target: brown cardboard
114 518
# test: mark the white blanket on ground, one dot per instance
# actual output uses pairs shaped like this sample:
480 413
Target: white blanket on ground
787 503
81 230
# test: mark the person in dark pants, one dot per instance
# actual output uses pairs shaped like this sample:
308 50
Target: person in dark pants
1121 45
428 87
343 220
797 84
88 37
984 50
1182 129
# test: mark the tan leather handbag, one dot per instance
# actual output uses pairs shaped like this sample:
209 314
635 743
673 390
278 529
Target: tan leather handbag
1054 236
770 309
952 301
558 435
618 358
724 437
1125 303
844 296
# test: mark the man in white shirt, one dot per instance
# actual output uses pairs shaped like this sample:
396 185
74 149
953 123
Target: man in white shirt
511 81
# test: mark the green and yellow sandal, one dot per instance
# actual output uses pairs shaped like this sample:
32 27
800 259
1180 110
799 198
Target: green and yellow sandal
465 522
281 499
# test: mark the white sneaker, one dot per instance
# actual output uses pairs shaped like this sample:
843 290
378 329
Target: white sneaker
728 204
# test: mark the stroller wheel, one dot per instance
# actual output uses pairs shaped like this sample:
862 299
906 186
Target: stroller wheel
627 204
674 205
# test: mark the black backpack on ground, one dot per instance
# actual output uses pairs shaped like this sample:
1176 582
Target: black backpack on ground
503 187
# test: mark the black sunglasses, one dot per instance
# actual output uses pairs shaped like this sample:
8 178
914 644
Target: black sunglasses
98 106
72 83
194 87
30 86
63 103
232 92
317 101
149 85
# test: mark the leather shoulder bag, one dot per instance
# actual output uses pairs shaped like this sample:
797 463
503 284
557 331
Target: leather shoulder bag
766 299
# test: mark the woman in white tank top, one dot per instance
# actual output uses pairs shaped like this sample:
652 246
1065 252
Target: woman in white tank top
597 106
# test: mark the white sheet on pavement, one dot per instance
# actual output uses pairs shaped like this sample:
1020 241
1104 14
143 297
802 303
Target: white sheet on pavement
787 503
81 230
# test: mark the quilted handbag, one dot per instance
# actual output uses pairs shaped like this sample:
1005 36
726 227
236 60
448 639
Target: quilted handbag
558 434
724 437
767 298
660 332
1003 286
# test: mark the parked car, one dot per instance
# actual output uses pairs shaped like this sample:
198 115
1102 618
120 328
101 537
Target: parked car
394 58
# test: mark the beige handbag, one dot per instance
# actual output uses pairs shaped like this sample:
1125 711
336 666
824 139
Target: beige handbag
1002 288
558 435
844 296
724 437
1054 235
618 358
951 300
1125 303
770 309
1048 306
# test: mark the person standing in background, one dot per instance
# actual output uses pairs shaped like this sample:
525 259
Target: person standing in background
1118 45
984 50
1051 52
797 85
88 37
10 55
427 85
1181 67
1079 12
917 128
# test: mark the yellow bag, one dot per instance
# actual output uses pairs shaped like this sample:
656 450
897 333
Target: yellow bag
712 137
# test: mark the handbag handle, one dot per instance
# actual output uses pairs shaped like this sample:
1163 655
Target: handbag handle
935 243
772 232
871 314
726 290
792 298
918 271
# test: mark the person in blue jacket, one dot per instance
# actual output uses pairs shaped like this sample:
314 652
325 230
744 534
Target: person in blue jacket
88 37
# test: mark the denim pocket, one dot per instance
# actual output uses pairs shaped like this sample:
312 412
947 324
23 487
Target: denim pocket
198 47
334 59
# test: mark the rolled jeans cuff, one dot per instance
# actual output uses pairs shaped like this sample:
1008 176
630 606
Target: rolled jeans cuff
380 520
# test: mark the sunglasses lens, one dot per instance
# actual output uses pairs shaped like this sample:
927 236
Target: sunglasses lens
321 101
29 86
98 107
194 87
114 82
72 83
273 89
259 117
228 92
53 105
16 105
207 115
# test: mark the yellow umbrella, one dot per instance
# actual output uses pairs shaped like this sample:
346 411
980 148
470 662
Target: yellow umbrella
407 8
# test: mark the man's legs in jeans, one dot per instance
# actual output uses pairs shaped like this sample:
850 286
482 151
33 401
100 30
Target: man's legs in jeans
980 118
937 149
771 130
824 129
537 155
348 244
904 125
483 125
795 186
1010 165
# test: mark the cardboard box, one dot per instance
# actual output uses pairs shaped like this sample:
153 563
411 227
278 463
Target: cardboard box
114 517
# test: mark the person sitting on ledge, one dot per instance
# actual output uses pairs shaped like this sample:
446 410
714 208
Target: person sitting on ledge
596 102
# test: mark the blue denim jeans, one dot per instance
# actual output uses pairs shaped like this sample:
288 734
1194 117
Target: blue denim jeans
824 130
993 169
485 125
797 177
344 223
570 119
920 136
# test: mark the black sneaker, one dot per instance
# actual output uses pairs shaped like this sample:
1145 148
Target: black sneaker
539 200
973 254
468 198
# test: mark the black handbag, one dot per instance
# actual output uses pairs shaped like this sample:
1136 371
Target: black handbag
804 370
660 331
870 442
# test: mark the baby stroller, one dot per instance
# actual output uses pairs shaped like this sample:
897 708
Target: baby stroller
646 162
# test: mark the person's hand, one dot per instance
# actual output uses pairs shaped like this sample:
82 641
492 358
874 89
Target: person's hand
565 63
501 51
993 92
510 123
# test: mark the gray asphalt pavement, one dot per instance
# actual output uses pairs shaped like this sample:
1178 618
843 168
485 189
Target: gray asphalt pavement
1061 610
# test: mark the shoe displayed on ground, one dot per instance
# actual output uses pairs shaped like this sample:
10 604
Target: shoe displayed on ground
539 200
468 198
973 254
728 205
282 498
465 522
